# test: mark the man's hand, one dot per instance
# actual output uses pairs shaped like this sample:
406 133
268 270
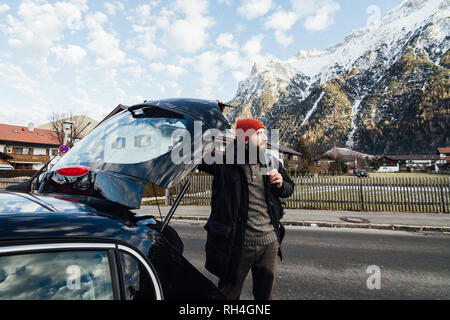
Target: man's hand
276 178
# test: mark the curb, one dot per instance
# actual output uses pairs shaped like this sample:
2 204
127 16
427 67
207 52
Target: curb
322 224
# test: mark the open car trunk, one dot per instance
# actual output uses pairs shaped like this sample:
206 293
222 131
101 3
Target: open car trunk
138 145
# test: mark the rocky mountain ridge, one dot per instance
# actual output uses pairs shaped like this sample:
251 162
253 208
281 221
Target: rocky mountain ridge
385 89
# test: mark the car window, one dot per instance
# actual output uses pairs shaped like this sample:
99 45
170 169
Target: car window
125 140
67 275
138 145
136 280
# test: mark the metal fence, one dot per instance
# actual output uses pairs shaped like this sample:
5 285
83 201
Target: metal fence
390 194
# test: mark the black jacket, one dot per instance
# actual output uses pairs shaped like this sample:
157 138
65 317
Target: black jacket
229 211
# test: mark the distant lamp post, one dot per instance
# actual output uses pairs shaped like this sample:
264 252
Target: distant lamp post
67 127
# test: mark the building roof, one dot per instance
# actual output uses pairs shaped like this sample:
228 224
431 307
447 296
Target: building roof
345 154
22 134
411 157
286 150
444 150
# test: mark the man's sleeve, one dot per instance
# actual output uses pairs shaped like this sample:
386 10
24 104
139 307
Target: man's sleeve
208 168
287 189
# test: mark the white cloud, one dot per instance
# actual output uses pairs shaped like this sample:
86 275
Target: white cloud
226 40
239 27
190 34
323 18
14 76
305 7
145 42
283 39
225 2
192 8
4 8
103 44
72 54
239 76
113 8
143 13
157 67
251 9
170 70
40 24
208 67
175 87
233 60
81 101
174 71
319 13
253 46
132 72
282 21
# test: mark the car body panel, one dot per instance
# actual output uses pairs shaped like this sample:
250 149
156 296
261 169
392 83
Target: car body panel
121 189
78 222
120 156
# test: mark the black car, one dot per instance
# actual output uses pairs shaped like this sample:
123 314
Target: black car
360 173
75 235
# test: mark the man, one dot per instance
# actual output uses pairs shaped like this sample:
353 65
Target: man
244 229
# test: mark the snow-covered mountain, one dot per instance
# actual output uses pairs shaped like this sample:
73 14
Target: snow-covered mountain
384 89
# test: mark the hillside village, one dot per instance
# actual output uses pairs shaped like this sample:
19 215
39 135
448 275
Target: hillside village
29 148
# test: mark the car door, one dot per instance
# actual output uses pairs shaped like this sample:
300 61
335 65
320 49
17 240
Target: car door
61 271
75 271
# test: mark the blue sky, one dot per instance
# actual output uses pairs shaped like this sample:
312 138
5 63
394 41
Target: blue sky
88 56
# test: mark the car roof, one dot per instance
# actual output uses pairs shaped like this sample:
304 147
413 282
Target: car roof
31 216
207 111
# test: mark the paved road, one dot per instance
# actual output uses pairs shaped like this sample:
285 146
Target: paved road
322 263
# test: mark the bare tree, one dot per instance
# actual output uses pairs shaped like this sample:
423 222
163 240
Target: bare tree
310 151
79 123
363 163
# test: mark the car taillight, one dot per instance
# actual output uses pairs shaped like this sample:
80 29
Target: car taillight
73 171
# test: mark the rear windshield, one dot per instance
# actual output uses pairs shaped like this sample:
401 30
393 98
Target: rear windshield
125 140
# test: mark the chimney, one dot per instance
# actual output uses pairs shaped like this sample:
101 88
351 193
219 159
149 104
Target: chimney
31 127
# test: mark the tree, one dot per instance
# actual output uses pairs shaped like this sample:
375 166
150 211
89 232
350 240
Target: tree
341 165
79 123
309 151
375 164
363 163
303 149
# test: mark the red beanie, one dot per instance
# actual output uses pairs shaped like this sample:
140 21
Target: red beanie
246 124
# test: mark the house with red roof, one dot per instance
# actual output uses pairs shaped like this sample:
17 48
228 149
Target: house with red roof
27 147
444 153
443 165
